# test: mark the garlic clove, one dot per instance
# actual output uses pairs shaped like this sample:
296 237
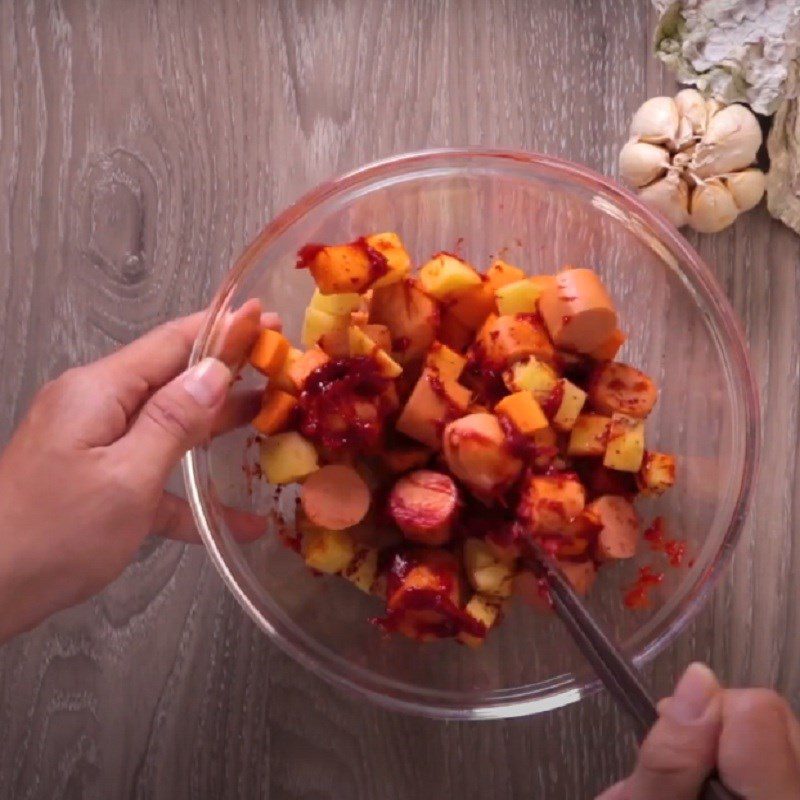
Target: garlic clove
685 137
712 107
746 187
669 196
641 163
712 207
656 121
692 107
730 143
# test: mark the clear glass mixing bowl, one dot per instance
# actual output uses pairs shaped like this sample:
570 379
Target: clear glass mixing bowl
539 213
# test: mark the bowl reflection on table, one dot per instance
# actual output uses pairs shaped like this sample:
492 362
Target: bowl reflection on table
538 213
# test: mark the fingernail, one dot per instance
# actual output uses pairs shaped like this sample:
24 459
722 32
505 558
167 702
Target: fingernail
693 694
207 382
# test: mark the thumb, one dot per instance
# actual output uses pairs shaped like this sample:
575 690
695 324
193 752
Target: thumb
680 750
177 417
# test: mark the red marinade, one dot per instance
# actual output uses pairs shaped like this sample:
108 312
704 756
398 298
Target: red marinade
638 595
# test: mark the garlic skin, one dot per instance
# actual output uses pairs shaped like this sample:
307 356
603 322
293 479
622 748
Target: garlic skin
712 207
641 163
670 196
747 187
731 142
656 121
692 160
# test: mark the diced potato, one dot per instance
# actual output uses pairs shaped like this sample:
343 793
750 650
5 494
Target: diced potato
589 435
276 411
572 402
398 261
503 340
269 352
381 335
433 403
486 573
336 304
657 473
533 375
521 296
625 448
485 610
304 365
287 458
282 380
446 362
363 568
445 277
328 551
523 410
362 345
317 324
551 502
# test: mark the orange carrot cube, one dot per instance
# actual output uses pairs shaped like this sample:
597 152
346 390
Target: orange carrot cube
269 352
523 410
304 365
275 413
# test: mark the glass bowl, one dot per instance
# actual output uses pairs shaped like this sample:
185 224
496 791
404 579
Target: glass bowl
539 213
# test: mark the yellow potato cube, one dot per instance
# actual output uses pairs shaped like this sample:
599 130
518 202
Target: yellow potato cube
519 297
572 402
657 473
523 410
485 572
287 458
317 323
532 375
337 304
589 435
362 345
445 277
391 247
328 551
485 610
625 448
445 361
363 569
282 379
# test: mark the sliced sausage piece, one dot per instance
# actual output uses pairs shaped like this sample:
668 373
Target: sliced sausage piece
335 497
620 533
578 311
424 504
503 340
619 388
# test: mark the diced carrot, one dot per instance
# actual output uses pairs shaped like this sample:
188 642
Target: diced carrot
523 410
341 268
276 411
269 352
501 273
304 365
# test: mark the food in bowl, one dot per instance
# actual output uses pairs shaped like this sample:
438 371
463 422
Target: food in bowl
437 421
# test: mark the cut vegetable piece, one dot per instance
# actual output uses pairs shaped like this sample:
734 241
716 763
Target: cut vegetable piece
402 458
484 610
600 480
578 311
362 345
503 340
398 261
471 307
657 473
619 388
523 410
572 402
317 324
620 533
446 276
625 447
486 573
336 304
304 365
578 534
269 352
551 502
432 404
335 343
589 435
363 569
476 452
335 497
609 349
453 333
276 411
411 316
424 505
281 379
381 335
522 297
328 551
287 458
501 273
446 362
344 268
533 375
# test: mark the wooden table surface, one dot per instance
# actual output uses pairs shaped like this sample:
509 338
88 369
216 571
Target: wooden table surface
142 145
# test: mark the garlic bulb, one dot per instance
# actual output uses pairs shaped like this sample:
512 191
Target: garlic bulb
691 159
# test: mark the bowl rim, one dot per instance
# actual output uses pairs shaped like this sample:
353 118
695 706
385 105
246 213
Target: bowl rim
408 699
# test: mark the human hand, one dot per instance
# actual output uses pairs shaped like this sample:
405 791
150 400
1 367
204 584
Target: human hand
749 735
82 480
